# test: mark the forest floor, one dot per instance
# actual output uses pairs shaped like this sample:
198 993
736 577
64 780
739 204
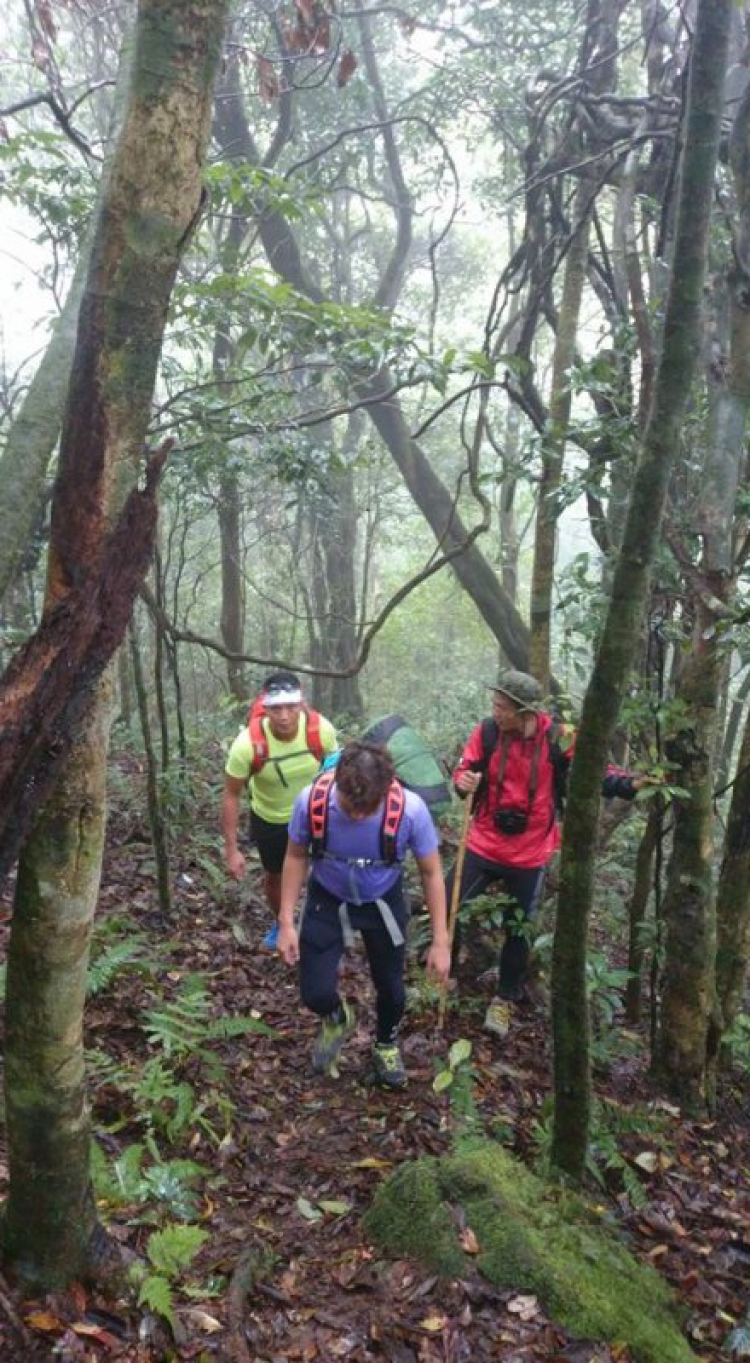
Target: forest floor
294 1160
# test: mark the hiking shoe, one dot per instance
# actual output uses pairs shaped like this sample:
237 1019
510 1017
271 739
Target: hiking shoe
388 1066
271 939
497 1018
330 1040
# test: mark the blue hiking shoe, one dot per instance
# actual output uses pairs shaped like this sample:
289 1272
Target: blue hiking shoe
271 939
329 1043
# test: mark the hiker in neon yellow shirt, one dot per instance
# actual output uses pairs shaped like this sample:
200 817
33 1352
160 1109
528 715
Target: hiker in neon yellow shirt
274 757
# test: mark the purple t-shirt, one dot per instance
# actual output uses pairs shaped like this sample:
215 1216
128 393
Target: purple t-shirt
348 838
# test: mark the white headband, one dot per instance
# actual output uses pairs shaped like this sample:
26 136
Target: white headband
289 695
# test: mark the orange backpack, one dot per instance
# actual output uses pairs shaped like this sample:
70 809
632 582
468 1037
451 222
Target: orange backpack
259 739
317 811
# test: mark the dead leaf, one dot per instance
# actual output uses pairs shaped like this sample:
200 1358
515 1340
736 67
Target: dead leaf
201 1319
469 1241
524 1307
347 67
434 1323
268 81
87 1331
44 1320
648 1160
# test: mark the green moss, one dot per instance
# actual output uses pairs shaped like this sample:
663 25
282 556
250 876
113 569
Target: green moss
532 1238
410 1216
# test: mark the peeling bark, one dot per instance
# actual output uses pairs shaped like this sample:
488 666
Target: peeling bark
149 203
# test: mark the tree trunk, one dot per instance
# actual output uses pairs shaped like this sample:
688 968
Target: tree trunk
339 544
156 820
630 587
33 436
232 588
147 210
50 1215
642 885
553 447
688 911
689 906
733 897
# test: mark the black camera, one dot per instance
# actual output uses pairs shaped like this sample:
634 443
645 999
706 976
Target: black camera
511 821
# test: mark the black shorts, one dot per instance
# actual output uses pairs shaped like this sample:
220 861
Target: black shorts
271 840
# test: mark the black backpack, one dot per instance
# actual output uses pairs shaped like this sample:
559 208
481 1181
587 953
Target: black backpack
490 734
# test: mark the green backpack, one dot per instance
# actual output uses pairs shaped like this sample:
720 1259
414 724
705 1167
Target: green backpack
416 765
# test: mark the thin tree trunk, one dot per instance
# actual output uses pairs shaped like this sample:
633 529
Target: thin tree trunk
630 587
733 898
148 207
156 820
642 885
553 448
33 435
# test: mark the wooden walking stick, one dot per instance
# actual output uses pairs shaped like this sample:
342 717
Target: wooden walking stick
456 895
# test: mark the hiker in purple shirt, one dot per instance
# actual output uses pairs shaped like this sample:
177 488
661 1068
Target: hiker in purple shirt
356 823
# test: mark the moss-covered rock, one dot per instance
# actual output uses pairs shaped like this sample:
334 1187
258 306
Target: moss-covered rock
532 1238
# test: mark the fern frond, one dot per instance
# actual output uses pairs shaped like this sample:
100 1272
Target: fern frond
172 1249
156 1293
112 961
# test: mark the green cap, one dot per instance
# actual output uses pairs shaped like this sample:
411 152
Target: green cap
523 689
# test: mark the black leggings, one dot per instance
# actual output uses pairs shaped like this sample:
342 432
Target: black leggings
321 946
524 886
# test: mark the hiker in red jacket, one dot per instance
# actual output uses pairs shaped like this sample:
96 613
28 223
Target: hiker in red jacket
515 765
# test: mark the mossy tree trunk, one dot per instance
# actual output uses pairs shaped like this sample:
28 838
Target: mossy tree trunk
622 629
733 901
733 896
148 206
688 1036
688 909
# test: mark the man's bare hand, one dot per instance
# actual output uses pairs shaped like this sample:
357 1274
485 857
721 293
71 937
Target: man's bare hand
288 944
468 781
235 864
439 963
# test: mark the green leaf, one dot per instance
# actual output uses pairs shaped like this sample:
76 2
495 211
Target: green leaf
335 1208
476 359
443 1080
459 1051
172 1249
307 1210
157 1294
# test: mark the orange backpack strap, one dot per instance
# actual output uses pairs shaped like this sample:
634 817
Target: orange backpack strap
312 733
317 810
257 734
395 803
259 740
